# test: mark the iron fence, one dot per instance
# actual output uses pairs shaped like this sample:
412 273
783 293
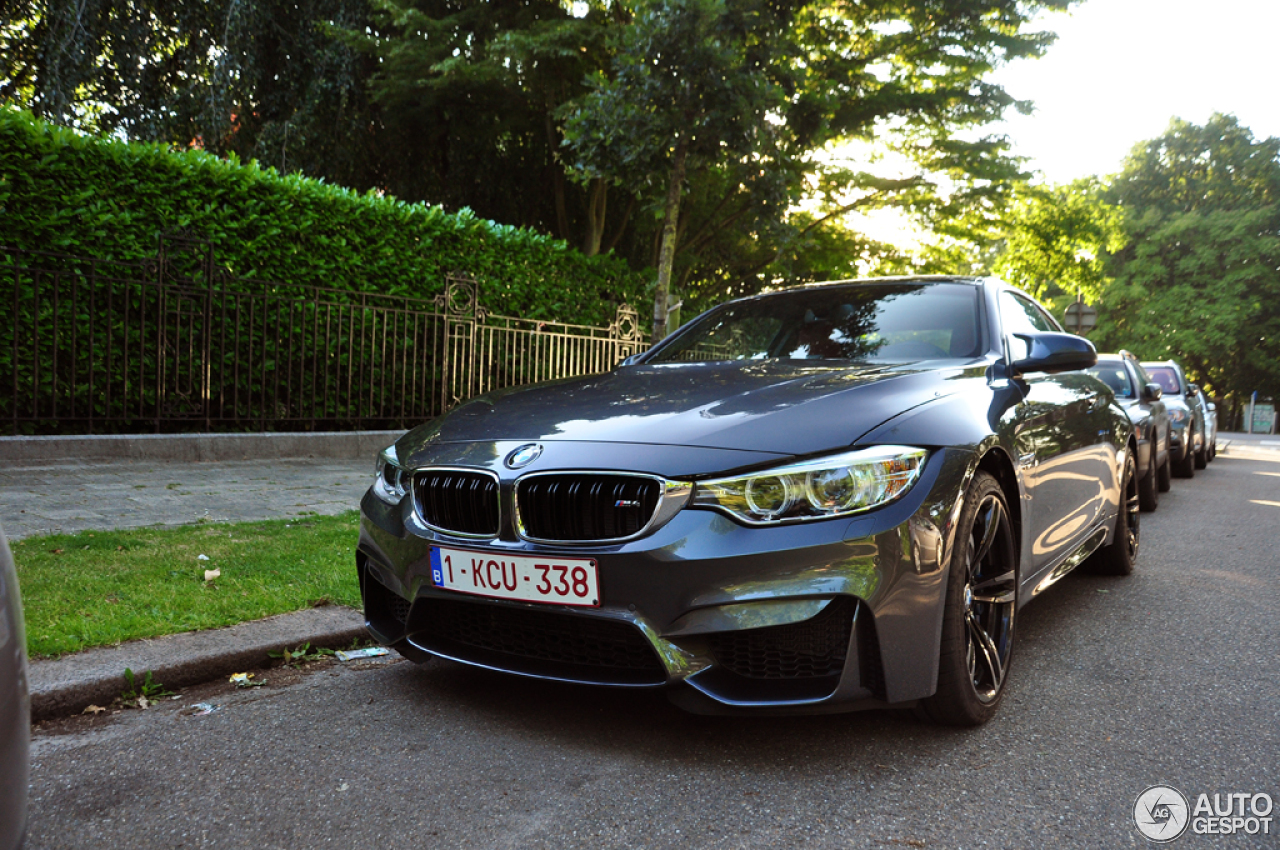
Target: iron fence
176 344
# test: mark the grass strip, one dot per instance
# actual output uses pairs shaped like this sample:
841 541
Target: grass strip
98 588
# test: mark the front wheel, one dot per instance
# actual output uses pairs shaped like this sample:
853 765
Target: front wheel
1118 557
977 623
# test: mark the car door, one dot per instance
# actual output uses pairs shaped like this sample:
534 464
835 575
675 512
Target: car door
1060 427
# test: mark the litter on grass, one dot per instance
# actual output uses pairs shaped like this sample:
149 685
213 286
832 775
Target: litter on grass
210 575
367 652
202 557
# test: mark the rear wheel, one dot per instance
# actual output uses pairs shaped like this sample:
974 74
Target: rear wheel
1213 449
1118 557
1185 466
1164 476
1149 486
1202 456
977 623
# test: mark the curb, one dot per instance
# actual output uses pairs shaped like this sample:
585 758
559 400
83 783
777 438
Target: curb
342 445
69 684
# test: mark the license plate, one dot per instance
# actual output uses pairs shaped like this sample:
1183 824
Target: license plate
540 578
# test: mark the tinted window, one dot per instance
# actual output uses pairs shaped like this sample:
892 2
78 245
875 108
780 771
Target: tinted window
1113 374
1165 377
877 322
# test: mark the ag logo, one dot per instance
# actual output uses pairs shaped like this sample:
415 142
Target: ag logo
1161 813
523 456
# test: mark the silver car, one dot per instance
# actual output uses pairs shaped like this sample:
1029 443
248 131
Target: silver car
15 706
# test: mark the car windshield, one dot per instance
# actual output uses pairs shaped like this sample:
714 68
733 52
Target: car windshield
1113 374
1165 377
876 322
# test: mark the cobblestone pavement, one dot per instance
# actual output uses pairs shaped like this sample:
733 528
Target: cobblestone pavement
130 494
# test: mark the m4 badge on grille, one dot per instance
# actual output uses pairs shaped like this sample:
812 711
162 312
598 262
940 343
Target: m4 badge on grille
626 503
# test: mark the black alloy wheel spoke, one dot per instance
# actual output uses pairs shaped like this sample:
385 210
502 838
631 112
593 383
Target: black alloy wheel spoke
983 650
1002 598
992 517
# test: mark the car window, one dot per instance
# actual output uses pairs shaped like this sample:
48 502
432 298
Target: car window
869 322
1022 316
1165 377
1114 375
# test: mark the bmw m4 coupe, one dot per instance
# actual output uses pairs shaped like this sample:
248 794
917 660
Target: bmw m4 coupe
822 498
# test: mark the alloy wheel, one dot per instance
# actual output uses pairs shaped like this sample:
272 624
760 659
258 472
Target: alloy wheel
990 595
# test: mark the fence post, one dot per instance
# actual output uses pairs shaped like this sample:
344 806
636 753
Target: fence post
625 333
461 306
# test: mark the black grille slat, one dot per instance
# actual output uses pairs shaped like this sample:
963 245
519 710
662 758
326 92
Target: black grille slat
586 506
458 501
811 649
545 637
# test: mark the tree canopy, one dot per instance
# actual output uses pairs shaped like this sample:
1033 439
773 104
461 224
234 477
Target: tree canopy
1180 251
466 103
1198 278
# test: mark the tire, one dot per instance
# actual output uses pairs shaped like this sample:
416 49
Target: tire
977 622
1118 557
1164 476
1185 466
1213 450
1149 487
1202 457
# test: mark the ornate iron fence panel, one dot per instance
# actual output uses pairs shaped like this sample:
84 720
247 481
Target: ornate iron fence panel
175 344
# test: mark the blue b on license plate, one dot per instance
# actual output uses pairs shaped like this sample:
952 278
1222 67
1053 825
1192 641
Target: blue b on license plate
551 579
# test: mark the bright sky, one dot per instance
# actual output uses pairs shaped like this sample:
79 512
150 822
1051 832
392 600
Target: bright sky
1121 69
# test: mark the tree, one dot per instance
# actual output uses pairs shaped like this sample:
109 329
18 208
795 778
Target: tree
685 90
1198 278
741 95
1056 241
257 80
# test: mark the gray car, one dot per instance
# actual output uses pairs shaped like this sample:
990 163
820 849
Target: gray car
15 707
824 498
1186 416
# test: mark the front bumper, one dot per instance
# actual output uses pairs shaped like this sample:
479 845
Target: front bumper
821 616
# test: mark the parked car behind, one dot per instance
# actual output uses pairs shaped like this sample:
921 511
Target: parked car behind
829 497
1210 425
1185 415
15 706
1141 399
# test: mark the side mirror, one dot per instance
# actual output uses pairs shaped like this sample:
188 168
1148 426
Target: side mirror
1213 408
1192 389
1152 392
1054 352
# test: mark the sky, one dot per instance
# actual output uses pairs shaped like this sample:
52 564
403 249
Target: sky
1121 69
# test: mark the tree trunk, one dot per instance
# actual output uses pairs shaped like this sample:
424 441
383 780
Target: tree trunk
597 195
667 253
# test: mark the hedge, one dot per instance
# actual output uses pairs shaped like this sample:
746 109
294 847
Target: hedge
64 192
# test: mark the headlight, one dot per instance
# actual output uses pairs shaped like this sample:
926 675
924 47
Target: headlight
1178 415
392 480
816 489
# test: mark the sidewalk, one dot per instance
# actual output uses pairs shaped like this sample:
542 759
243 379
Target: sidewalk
53 490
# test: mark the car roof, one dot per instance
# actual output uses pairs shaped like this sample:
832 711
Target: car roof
969 280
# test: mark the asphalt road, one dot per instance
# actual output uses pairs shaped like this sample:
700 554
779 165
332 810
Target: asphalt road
1170 676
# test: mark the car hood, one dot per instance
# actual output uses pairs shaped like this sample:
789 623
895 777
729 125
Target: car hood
781 408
